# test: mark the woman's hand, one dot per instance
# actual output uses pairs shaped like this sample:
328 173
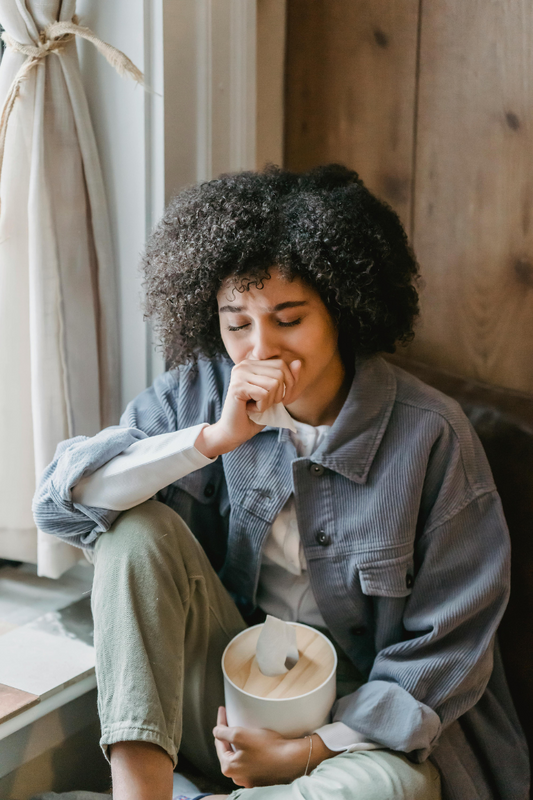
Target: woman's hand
263 757
254 386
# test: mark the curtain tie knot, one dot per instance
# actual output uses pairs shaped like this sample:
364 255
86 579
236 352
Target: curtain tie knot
53 39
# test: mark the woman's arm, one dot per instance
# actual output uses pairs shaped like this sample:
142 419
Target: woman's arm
80 517
152 413
147 466
142 470
441 668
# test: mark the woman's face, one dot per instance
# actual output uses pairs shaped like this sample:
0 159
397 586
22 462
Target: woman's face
285 319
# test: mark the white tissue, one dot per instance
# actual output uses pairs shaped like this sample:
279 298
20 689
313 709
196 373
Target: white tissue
276 647
276 416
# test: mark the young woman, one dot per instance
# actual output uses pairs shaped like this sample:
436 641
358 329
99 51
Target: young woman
322 485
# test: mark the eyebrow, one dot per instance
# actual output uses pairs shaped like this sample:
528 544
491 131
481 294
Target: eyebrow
279 307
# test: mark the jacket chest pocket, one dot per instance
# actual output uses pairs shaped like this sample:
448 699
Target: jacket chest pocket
387 578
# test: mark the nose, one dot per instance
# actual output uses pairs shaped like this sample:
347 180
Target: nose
264 344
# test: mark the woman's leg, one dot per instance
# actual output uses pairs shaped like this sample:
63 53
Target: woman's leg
365 775
162 620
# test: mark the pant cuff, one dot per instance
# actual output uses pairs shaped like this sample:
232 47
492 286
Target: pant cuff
126 732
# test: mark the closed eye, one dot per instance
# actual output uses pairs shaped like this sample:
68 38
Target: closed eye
280 323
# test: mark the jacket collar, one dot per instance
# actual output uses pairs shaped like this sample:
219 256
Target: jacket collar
357 432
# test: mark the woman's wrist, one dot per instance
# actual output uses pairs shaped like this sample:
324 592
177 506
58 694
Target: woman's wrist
306 754
319 752
212 442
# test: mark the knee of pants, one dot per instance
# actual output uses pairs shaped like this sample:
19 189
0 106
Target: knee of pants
149 532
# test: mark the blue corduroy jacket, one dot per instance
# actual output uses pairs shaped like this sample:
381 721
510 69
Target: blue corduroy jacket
406 545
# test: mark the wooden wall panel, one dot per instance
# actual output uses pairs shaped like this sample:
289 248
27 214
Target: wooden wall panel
350 90
271 31
473 225
432 103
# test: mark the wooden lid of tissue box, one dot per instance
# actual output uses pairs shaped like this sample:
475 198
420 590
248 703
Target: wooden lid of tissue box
316 662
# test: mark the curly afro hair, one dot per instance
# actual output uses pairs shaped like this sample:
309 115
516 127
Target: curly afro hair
323 226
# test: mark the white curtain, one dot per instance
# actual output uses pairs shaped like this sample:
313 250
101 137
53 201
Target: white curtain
59 372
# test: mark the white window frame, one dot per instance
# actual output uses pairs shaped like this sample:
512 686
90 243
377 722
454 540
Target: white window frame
197 119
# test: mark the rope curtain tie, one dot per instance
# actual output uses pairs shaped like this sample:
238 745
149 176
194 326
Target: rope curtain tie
53 39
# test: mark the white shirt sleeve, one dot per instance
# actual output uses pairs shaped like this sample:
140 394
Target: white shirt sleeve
142 470
339 737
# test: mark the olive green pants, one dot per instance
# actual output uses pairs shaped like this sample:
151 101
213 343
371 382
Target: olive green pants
162 620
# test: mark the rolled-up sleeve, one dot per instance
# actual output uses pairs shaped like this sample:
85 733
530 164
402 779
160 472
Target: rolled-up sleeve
441 667
153 412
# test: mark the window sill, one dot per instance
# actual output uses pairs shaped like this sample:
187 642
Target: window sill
46 651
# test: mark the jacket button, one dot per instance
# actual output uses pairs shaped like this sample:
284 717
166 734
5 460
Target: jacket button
209 490
317 470
358 630
323 538
409 580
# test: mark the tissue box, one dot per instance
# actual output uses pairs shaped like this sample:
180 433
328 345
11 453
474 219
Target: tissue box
293 704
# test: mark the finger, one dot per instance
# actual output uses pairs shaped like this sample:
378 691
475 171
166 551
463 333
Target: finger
223 749
263 396
256 372
276 389
231 770
267 382
289 378
224 734
275 367
238 737
221 745
227 765
295 367
283 381
250 391
280 393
